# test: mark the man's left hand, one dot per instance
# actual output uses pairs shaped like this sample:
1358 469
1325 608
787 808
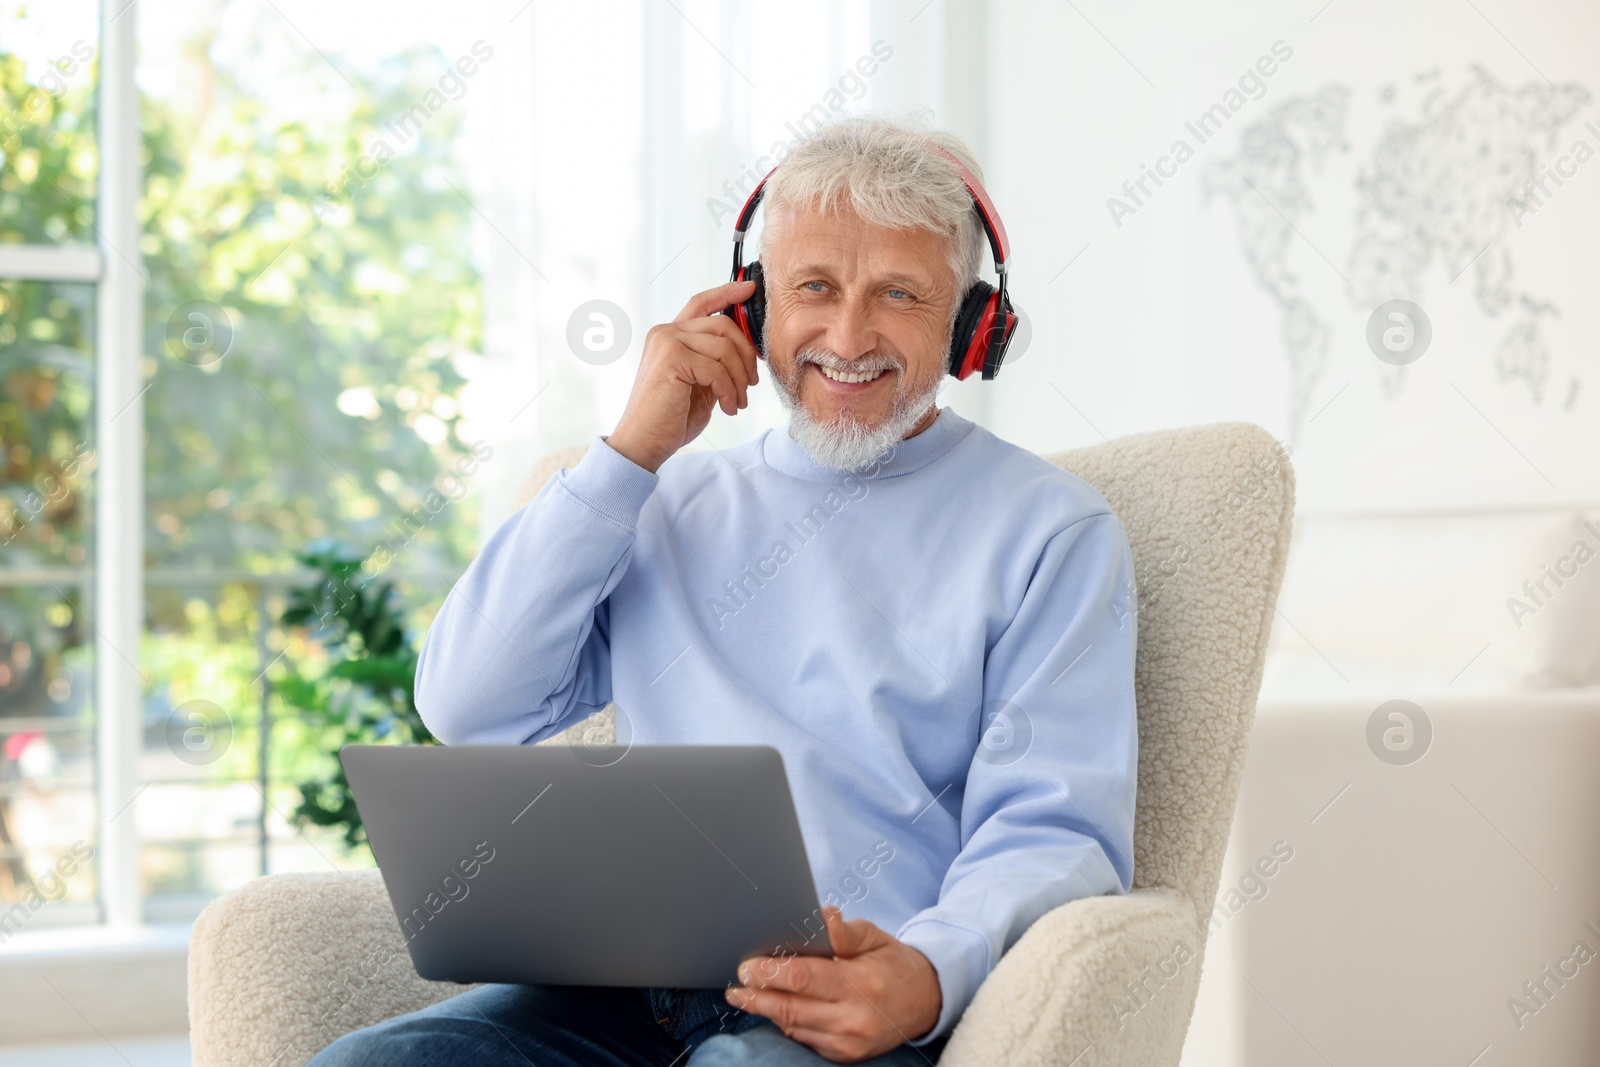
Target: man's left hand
876 992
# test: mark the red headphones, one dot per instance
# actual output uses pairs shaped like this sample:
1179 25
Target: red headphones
984 326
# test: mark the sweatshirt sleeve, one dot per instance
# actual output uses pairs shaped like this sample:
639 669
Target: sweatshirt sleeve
1047 816
522 641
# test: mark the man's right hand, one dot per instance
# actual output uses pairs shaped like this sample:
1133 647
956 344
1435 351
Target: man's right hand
699 359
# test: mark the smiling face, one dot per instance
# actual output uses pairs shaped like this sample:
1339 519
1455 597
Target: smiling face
857 327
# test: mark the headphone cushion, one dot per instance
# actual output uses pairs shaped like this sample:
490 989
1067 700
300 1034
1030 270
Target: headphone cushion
755 308
972 308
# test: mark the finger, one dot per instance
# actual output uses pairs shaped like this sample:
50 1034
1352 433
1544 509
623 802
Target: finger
711 372
726 339
790 1010
839 937
809 976
689 367
851 938
722 350
714 300
761 971
723 326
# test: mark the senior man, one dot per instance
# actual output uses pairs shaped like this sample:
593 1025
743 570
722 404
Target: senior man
933 626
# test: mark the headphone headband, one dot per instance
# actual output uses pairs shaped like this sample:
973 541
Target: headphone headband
993 228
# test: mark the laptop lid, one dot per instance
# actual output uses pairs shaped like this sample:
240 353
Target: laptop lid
642 865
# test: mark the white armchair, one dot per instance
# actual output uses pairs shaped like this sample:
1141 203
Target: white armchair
282 967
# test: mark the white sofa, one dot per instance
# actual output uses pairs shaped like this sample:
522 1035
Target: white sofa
1421 895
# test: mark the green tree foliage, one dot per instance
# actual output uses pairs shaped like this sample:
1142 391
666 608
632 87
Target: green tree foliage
48 160
331 283
47 172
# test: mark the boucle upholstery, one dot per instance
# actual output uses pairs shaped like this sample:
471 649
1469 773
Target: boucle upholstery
283 966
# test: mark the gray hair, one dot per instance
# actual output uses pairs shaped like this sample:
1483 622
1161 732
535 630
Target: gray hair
888 173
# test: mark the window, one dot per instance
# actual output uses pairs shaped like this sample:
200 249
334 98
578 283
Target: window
244 337
268 272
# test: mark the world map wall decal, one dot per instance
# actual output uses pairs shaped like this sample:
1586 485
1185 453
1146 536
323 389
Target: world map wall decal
1453 175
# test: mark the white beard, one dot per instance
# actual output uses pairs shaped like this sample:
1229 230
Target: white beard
845 443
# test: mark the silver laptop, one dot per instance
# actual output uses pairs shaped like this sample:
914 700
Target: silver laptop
643 865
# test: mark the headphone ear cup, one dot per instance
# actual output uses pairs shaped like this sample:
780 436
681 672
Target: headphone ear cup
961 338
1006 320
755 308
750 314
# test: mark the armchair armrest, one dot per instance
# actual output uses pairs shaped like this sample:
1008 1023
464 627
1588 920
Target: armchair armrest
1117 974
283 966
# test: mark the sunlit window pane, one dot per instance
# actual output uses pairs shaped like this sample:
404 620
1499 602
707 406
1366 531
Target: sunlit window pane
46 383
48 159
47 771
46 748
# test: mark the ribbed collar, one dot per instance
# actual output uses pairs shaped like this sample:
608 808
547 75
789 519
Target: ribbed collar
783 453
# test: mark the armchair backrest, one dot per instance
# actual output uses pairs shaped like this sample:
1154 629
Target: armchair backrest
1208 512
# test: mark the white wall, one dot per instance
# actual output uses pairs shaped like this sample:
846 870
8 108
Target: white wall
1161 321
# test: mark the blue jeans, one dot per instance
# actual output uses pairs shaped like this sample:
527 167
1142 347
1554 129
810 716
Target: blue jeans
587 1026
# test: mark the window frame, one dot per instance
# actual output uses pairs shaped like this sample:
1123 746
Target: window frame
115 557
119 475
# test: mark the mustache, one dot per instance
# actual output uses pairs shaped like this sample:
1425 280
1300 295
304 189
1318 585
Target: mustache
832 361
